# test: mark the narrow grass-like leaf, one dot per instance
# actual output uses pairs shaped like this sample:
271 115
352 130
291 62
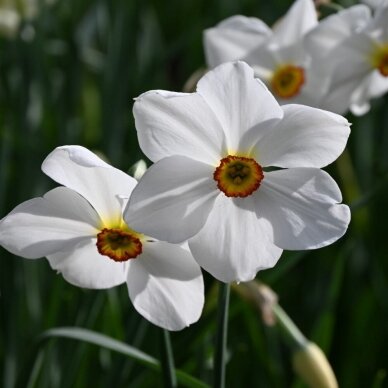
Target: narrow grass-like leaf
120 347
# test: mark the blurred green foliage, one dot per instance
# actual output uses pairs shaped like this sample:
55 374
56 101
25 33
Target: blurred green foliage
69 77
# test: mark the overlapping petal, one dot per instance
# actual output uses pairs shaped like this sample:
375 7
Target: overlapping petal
378 27
173 199
302 206
239 101
374 85
338 99
332 30
350 59
84 266
42 226
178 123
165 285
300 19
98 182
234 244
306 137
234 38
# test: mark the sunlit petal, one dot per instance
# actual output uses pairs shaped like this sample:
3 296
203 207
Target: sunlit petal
165 285
302 205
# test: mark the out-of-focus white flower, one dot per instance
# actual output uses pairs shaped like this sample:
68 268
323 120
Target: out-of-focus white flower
355 48
9 22
12 12
210 185
80 229
278 56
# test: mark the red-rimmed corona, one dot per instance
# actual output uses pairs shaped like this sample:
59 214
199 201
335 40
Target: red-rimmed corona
238 176
119 245
287 81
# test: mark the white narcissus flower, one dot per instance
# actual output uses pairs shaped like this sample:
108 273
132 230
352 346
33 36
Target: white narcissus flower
211 184
9 22
81 231
278 56
357 46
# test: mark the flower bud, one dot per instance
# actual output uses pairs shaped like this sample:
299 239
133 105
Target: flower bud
312 366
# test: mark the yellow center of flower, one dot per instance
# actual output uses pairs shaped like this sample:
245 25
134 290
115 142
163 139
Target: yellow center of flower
237 176
119 244
380 59
287 81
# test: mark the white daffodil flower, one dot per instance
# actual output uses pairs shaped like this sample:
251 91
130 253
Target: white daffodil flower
278 56
357 46
80 229
211 184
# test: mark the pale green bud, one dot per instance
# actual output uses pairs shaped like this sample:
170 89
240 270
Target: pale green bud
312 366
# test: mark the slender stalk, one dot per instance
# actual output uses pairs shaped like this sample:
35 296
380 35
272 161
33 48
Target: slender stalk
222 334
167 361
289 327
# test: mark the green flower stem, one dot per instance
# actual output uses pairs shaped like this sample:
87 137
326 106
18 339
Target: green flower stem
289 328
222 333
167 361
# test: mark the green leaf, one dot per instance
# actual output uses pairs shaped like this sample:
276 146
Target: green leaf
119 347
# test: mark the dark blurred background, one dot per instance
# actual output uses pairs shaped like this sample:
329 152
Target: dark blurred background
68 75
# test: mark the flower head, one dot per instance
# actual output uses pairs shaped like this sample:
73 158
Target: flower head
211 182
357 45
80 229
278 56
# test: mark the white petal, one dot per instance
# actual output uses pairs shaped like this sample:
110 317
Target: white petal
234 244
300 18
41 226
335 28
83 266
338 98
374 85
375 4
239 101
173 199
377 85
98 182
350 59
378 26
302 206
266 59
306 137
171 123
349 65
233 38
348 68
165 285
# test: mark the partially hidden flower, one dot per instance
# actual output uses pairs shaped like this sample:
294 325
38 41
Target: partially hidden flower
354 45
237 175
9 21
278 56
80 229
13 12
